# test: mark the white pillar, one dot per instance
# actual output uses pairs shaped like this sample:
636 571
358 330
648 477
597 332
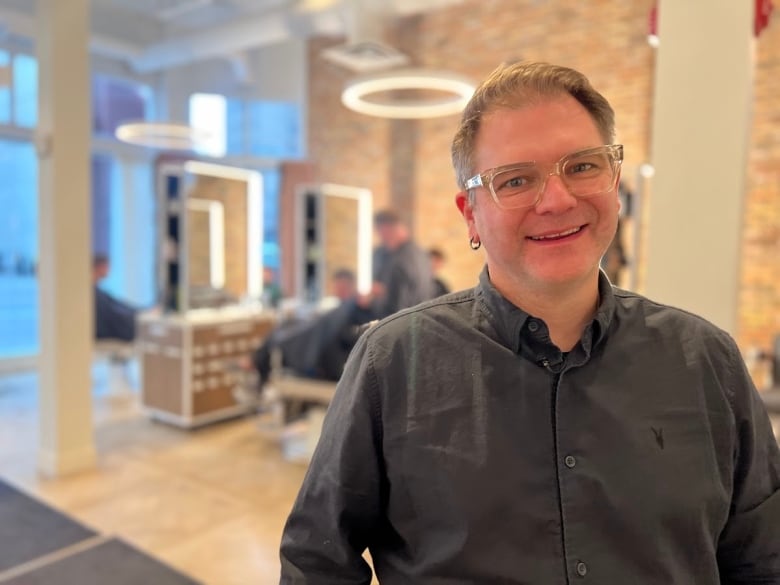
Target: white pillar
701 124
63 142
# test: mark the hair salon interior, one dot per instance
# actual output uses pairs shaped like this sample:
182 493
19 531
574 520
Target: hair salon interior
212 152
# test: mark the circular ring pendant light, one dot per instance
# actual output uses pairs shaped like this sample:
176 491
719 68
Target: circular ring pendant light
356 94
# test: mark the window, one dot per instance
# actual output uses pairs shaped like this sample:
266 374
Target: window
123 226
18 89
115 101
271 186
5 87
123 220
25 91
273 130
123 201
235 127
18 249
208 111
248 127
258 129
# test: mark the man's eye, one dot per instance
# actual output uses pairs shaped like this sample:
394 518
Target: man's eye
589 165
582 167
516 182
513 182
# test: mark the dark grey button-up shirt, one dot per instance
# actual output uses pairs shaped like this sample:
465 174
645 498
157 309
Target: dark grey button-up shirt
463 447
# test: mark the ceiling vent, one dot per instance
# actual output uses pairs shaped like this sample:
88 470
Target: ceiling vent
365 56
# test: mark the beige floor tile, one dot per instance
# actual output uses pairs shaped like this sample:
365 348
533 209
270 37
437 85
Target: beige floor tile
244 550
211 502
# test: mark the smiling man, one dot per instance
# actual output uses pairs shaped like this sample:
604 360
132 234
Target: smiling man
543 427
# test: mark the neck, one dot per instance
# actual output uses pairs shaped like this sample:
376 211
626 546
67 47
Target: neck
566 310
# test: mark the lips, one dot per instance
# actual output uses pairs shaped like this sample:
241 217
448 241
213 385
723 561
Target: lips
557 235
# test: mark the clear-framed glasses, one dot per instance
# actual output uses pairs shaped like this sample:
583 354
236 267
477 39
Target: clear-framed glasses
585 173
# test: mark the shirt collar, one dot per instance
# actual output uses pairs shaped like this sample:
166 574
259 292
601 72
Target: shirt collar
510 321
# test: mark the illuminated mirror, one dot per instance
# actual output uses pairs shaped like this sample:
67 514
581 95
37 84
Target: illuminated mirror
211 222
335 231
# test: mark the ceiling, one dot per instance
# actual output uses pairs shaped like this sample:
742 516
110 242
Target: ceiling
154 35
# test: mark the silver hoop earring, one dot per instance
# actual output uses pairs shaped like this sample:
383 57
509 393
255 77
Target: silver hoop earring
474 244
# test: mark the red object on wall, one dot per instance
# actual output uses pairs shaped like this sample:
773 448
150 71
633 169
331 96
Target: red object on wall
763 15
652 25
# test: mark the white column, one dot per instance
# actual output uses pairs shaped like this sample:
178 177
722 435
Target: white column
63 141
701 124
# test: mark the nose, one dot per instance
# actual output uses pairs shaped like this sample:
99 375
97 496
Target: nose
554 196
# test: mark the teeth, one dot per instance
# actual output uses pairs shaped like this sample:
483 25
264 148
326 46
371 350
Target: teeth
559 235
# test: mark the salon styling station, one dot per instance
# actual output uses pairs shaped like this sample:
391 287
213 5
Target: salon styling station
187 379
209 274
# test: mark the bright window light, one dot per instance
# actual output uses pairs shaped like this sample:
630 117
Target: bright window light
208 111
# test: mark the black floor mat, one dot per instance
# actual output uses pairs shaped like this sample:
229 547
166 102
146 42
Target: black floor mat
30 529
112 562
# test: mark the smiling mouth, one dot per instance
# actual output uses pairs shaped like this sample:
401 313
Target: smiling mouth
558 236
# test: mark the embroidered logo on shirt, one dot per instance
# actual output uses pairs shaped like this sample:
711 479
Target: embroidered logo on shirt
659 436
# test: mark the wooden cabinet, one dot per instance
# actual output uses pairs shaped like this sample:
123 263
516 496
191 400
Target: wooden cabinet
186 379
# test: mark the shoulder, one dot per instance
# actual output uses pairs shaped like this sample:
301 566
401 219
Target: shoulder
657 315
675 329
414 348
700 354
425 320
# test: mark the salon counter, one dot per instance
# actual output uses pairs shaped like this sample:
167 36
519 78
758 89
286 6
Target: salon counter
185 359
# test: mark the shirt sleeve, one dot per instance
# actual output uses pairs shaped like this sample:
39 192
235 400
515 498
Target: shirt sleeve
749 547
338 506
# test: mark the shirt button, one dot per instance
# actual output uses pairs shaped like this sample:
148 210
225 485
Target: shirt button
570 461
533 326
582 569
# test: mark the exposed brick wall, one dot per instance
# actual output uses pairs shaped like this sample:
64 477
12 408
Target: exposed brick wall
759 296
232 194
341 238
294 175
407 164
198 250
346 148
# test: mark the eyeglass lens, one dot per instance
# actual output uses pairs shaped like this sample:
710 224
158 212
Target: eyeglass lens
583 174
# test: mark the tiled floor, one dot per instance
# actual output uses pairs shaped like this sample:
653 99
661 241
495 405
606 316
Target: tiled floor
210 502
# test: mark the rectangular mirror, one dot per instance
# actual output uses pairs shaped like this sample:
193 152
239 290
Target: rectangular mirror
334 231
211 221
206 244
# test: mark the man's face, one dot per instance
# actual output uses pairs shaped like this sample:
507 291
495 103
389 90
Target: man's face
388 235
100 270
344 288
522 245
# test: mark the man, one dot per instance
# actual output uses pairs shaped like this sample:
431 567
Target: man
437 263
615 259
114 319
272 291
402 270
543 427
317 347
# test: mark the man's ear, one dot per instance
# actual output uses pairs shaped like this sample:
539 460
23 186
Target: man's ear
463 201
464 206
